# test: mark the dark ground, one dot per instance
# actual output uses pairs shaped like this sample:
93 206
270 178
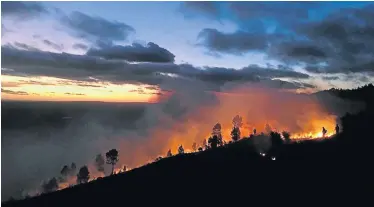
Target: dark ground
331 172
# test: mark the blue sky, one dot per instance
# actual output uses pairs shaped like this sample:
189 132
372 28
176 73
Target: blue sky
280 36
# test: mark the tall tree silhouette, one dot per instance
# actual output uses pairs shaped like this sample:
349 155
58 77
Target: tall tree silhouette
237 122
235 134
217 132
112 158
65 171
181 150
213 141
99 163
83 175
50 185
73 168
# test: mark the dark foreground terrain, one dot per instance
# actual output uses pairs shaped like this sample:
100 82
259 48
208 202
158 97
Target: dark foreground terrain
333 172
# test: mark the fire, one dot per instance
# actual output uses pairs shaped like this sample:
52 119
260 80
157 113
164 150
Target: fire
301 115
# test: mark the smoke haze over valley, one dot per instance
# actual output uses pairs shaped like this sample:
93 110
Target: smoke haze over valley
138 82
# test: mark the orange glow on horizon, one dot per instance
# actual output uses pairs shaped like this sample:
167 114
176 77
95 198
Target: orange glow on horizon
56 89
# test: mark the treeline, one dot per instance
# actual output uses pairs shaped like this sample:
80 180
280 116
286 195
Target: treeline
83 176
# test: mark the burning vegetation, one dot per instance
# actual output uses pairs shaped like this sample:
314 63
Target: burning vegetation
265 115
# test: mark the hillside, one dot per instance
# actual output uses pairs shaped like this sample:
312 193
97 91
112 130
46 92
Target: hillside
331 170
233 170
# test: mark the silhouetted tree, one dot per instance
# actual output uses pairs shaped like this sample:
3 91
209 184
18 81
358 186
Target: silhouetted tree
112 158
200 149
158 159
50 186
286 136
181 150
254 131
213 141
73 168
124 169
99 163
169 154
83 175
194 146
217 132
235 134
65 171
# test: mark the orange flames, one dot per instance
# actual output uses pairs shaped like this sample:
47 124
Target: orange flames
301 115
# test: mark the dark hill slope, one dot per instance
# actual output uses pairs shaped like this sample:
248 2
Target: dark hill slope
325 173
235 171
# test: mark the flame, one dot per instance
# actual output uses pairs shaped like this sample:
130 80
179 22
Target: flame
301 115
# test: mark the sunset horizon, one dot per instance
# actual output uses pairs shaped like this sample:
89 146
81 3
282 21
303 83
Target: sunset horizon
107 102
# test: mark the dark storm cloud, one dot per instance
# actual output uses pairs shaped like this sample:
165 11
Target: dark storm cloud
80 46
13 92
235 43
346 39
340 42
134 53
54 45
86 68
22 9
89 27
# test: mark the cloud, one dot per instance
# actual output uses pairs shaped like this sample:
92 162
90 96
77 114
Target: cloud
207 8
279 11
94 28
92 69
250 14
13 92
235 43
330 78
343 42
22 10
80 46
55 46
24 46
134 53
340 41
75 94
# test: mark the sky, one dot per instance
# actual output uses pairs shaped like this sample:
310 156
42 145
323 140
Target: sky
142 51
